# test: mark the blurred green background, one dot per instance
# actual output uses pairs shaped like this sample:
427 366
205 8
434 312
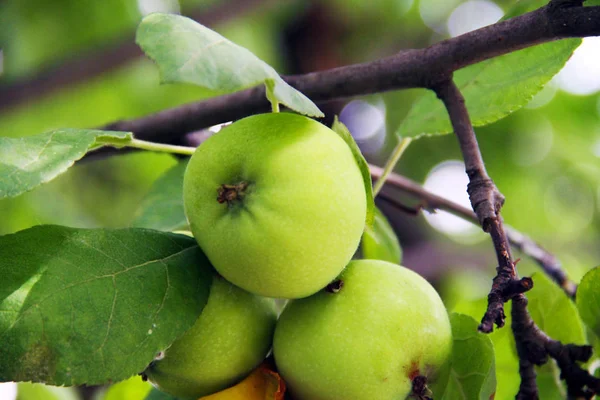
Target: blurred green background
73 63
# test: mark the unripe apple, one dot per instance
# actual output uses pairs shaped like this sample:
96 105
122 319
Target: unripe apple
230 338
277 202
369 335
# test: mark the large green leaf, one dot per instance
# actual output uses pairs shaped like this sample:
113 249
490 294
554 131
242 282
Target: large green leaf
341 129
92 306
588 300
472 370
188 52
555 314
29 161
493 88
162 209
381 242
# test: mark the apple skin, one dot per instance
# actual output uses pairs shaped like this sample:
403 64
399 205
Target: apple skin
230 338
385 326
302 213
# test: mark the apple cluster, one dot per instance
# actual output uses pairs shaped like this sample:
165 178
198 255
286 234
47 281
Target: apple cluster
277 203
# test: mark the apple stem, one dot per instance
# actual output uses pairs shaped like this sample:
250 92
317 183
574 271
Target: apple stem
335 286
160 147
230 193
391 163
420 390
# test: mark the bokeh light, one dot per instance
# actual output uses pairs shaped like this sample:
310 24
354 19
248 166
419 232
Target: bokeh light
596 148
366 123
449 180
434 13
532 142
473 15
544 96
581 74
8 391
569 205
163 6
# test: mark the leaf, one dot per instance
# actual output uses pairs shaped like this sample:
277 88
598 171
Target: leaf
505 352
156 394
557 316
38 391
588 300
131 389
381 242
472 370
162 208
341 129
188 52
81 306
262 384
554 312
493 88
29 161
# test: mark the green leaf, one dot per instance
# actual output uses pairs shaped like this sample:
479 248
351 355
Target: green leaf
131 389
156 394
29 161
38 391
188 52
493 88
588 300
345 134
554 312
472 370
557 316
81 306
381 242
162 209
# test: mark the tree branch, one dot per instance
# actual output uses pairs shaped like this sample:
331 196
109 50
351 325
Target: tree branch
109 57
534 347
420 68
486 201
431 202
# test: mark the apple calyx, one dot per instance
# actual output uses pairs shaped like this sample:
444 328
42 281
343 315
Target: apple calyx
335 286
230 193
420 391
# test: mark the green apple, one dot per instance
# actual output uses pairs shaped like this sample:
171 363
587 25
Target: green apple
368 335
230 338
277 202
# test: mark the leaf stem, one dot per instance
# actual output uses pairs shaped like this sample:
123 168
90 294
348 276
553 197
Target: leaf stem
160 147
391 163
269 92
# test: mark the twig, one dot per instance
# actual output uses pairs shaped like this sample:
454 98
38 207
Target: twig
534 347
486 201
421 68
431 202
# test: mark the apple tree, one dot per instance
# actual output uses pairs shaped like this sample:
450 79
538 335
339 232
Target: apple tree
175 248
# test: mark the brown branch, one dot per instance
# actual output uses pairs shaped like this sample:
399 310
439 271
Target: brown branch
109 57
486 201
527 246
549 263
534 347
422 68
